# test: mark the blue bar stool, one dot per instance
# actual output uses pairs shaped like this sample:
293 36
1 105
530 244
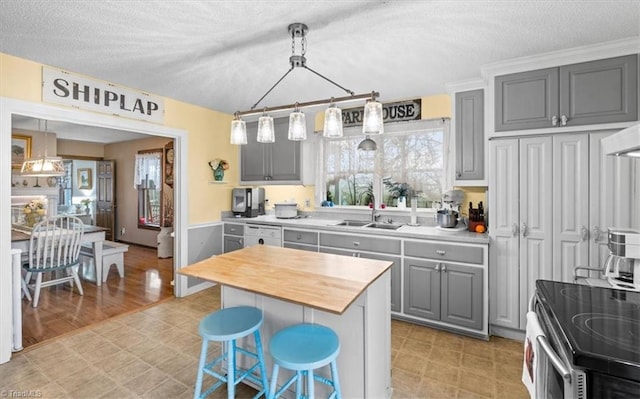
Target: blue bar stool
227 325
303 348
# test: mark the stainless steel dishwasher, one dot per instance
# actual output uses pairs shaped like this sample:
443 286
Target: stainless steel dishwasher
256 234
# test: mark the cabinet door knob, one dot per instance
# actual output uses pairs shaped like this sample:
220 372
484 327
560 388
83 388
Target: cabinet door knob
596 234
458 174
524 229
584 233
299 237
444 268
554 120
563 120
441 252
438 268
514 229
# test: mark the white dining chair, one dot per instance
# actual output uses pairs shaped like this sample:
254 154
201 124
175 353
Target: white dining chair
54 247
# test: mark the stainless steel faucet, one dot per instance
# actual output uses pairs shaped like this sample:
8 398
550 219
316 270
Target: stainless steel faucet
373 208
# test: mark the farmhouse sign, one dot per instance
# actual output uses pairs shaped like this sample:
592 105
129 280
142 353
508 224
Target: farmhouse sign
61 87
391 112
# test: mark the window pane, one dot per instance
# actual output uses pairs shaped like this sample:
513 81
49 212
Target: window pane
148 181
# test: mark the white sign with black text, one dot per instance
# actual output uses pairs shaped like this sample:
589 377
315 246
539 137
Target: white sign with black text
61 87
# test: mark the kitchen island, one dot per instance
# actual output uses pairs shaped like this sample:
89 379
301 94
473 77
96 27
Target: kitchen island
348 294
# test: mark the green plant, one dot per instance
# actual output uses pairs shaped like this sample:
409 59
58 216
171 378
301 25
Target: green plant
397 190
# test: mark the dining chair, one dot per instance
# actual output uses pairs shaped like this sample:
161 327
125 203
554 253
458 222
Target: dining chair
54 247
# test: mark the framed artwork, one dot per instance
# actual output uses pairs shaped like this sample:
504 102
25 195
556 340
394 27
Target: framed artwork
20 150
85 181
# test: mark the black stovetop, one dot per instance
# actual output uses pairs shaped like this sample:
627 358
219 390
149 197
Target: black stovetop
601 325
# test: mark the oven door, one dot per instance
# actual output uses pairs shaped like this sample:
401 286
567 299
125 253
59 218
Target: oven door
557 378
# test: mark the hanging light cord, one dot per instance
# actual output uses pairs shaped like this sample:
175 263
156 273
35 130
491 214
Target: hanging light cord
297 30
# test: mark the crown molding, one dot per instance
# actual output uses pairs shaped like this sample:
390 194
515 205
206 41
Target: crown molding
574 55
465 85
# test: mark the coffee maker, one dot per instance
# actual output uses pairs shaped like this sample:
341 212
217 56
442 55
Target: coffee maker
247 202
622 267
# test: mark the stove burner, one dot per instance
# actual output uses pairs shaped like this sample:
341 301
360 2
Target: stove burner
619 331
587 295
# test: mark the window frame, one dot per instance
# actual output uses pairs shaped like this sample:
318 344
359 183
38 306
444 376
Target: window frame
159 189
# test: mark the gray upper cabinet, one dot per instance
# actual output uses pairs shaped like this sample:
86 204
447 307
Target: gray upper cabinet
265 163
470 135
603 91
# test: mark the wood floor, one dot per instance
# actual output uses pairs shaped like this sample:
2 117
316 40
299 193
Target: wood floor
147 280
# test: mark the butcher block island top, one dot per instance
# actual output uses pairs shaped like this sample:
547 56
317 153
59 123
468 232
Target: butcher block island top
323 281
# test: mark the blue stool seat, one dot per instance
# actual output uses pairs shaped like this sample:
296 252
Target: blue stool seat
303 348
227 325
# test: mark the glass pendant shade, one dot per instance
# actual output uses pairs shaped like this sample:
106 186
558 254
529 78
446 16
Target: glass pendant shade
297 126
44 166
367 145
373 121
266 131
332 122
238 132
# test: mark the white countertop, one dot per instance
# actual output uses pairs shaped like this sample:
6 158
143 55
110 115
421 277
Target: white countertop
423 232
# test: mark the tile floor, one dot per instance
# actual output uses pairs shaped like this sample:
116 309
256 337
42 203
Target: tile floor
154 353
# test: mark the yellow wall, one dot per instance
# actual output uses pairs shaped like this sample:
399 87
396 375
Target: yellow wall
207 137
80 148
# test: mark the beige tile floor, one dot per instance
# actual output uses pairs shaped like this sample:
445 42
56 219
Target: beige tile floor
154 353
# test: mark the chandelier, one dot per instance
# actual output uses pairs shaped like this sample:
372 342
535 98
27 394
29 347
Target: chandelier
372 120
43 166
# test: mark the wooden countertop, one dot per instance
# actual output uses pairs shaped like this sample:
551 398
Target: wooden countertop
323 281
20 235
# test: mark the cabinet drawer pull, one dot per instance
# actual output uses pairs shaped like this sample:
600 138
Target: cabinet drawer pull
554 120
441 252
438 268
444 268
299 237
356 243
563 120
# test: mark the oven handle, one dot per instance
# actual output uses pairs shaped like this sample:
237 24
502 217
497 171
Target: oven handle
546 347
555 360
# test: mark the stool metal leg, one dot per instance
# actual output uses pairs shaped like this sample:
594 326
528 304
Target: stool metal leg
203 359
336 382
231 370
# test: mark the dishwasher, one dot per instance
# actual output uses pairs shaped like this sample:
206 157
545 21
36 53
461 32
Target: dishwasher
255 234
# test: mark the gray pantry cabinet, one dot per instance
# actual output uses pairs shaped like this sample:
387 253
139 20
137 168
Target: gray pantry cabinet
386 249
602 91
271 163
438 287
469 135
233 238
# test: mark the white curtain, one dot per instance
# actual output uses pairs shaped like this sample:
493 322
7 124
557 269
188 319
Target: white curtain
148 168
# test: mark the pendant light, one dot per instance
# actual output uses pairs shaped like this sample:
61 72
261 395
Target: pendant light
266 130
373 122
333 115
367 145
297 125
332 122
238 130
43 166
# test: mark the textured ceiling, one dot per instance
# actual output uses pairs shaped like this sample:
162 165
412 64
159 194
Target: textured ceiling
224 55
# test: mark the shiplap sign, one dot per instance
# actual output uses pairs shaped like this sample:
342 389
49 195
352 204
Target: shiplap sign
62 87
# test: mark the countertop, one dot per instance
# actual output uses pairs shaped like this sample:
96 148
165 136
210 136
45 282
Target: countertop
323 281
23 235
405 231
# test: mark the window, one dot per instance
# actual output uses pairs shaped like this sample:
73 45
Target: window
148 182
409 161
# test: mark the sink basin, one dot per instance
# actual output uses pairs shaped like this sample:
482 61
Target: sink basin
386 226
353 223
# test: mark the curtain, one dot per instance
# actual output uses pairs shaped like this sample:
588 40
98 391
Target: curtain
148 169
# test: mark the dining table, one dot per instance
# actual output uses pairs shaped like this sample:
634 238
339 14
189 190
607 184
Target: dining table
350 295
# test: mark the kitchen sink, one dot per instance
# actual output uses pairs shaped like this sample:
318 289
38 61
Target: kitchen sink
386 226
353 223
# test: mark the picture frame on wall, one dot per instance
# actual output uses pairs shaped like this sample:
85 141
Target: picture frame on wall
85 180
20 150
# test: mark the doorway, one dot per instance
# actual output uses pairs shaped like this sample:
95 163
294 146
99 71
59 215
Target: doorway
10 107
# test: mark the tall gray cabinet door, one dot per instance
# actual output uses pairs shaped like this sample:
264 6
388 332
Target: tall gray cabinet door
526 100
600 91
421 289
253 156
470 135
395 277
462 295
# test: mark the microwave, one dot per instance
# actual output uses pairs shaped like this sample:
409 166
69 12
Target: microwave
247 202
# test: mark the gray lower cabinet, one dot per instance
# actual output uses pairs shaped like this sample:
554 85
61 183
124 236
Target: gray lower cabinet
233 238
266 163
444 292
300 239
470 135
602 91
359 246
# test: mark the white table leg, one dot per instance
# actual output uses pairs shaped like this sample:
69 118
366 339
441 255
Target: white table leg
97 259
